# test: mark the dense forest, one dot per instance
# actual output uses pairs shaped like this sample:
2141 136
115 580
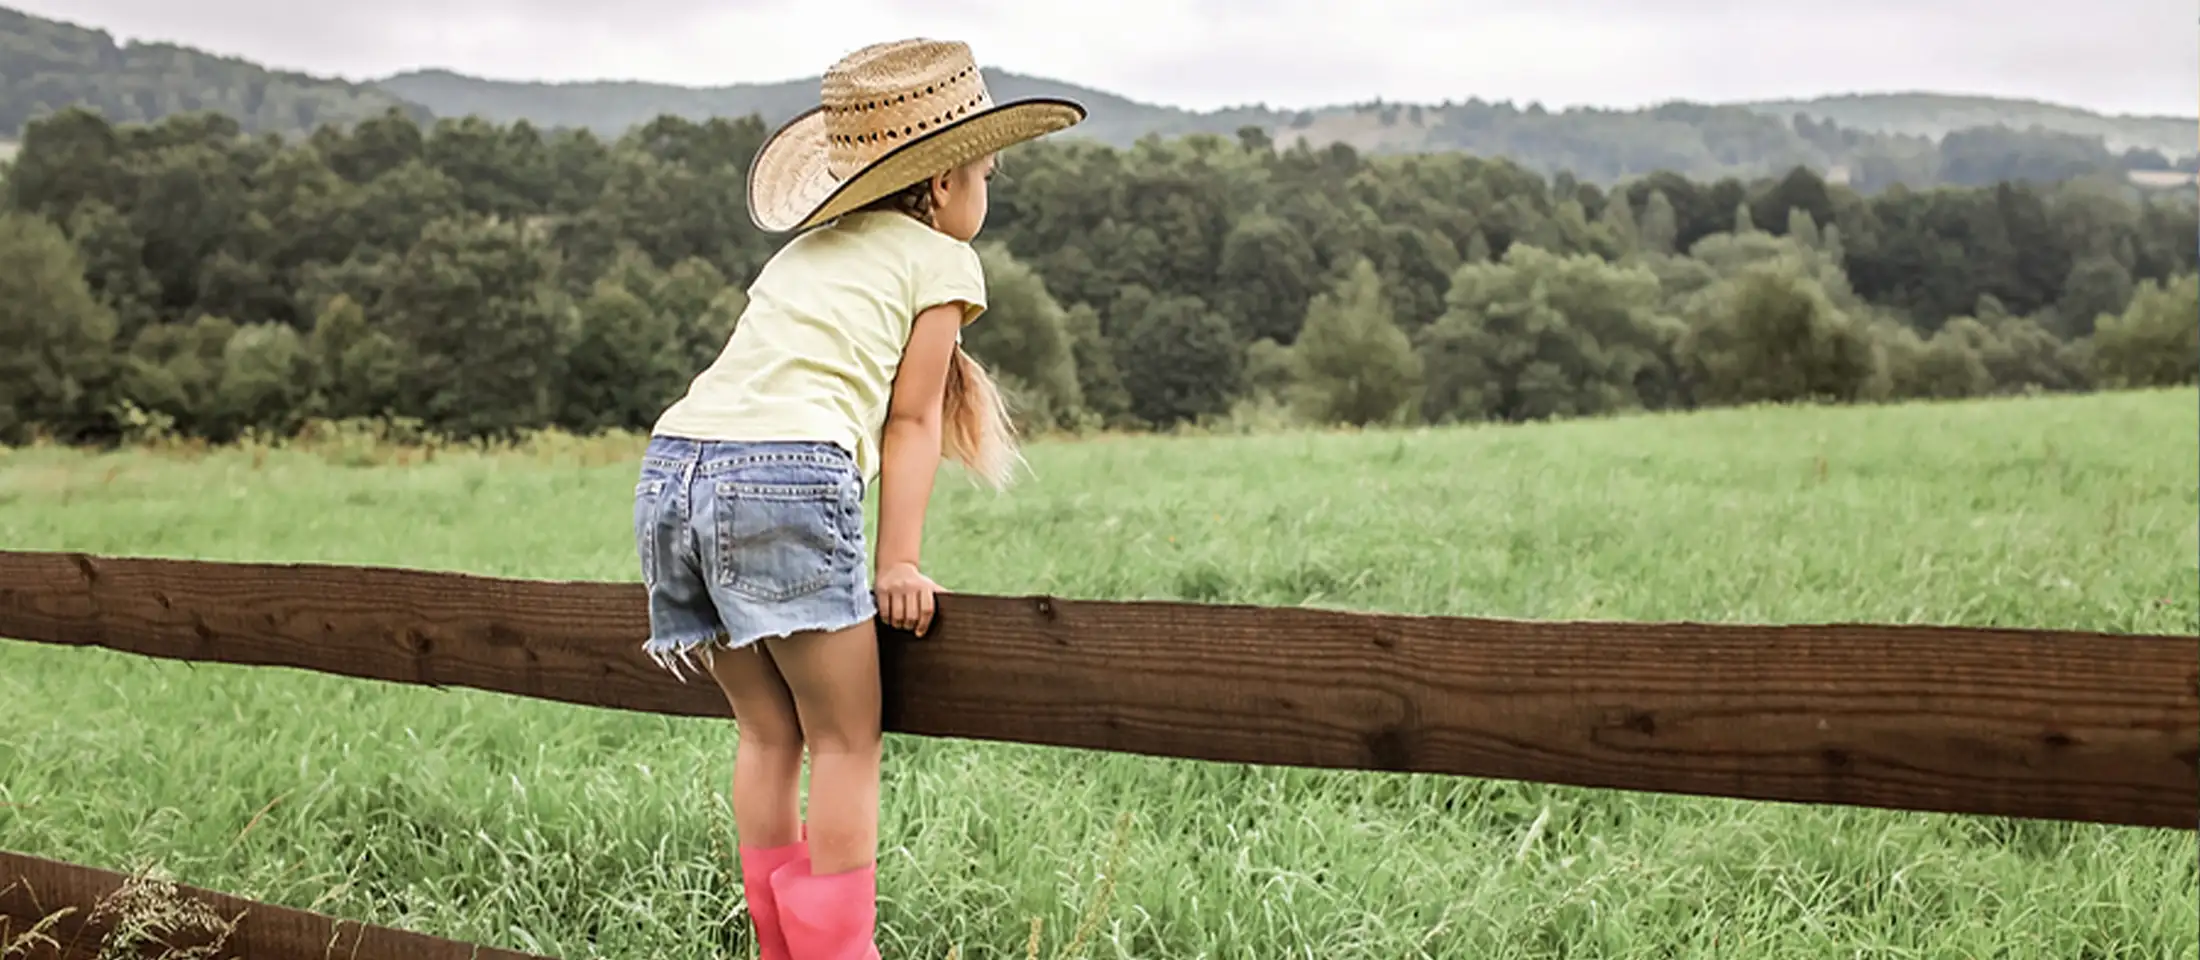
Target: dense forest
1868 142
485 279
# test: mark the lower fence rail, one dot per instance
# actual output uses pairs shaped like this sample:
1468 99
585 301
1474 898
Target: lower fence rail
50 910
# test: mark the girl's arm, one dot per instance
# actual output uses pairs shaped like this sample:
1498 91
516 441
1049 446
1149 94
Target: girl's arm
909 460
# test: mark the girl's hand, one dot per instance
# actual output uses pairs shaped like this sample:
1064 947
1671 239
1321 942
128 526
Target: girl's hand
905 598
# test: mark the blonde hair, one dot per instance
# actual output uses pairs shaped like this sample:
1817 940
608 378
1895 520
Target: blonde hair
975 428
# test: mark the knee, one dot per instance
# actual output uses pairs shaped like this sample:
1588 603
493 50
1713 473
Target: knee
769 735
857 743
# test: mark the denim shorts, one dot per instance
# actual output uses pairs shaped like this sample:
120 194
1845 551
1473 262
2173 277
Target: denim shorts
744 541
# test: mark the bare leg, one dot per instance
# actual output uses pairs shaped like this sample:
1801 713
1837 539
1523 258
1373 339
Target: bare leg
834 677
767 764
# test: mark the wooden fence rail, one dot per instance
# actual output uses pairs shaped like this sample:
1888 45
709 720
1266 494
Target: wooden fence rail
60 911
2027 723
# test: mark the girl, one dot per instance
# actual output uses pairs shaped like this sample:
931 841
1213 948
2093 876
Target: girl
846 368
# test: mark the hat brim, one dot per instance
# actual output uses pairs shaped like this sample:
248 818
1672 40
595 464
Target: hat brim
790 187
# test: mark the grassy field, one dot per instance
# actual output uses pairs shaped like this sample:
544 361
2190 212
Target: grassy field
584 833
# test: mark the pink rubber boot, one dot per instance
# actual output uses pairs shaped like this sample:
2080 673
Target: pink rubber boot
757 866
833 917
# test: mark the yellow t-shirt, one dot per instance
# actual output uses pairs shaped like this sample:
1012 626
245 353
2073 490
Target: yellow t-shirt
814 355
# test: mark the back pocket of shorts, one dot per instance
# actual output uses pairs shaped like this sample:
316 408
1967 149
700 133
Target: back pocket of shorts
778 541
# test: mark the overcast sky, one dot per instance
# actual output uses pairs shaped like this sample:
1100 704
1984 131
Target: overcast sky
2111 55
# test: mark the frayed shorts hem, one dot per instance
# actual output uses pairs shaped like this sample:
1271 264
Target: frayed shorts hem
693 652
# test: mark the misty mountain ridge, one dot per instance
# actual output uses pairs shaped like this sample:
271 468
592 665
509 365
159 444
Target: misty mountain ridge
611 106
1867 139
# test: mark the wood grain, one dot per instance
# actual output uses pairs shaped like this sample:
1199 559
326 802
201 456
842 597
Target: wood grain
32 888
2026 723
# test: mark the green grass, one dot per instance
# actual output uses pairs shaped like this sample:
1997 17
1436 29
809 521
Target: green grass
586 833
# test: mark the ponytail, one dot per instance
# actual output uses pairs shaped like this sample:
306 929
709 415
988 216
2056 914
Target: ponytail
975 429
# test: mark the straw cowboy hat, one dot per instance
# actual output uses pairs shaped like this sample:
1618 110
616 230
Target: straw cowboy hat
890 115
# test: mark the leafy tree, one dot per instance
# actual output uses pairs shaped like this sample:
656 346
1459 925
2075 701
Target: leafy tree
376 146
1542 335
502 172
113 256
357 369
1724 255
483 330
2098 286
175 369
1099 379
1416 266
298 210
1354 364
1619 222
1771 334
621 368
1023 335
67 160
1478 248
1180 361
1801 191
1951 366
267 379
1266 276
187 199
704 335
56 341
703 309
1660 224
2019 354
1271 370
395 208
1802 229
2156 341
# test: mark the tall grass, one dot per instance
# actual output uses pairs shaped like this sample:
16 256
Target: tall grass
587 833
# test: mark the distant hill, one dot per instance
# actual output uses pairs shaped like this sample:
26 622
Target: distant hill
1700 140
1867 140
612 107
1935 115
47 64
1896 133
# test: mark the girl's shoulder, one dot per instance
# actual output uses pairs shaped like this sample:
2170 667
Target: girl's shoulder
890 246
901 233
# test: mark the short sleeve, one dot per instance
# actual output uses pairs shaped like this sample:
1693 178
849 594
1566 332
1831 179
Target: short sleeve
948 272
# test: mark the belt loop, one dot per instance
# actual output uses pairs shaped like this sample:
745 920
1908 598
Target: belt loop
687 475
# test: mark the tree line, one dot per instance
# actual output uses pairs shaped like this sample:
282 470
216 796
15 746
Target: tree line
485 279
